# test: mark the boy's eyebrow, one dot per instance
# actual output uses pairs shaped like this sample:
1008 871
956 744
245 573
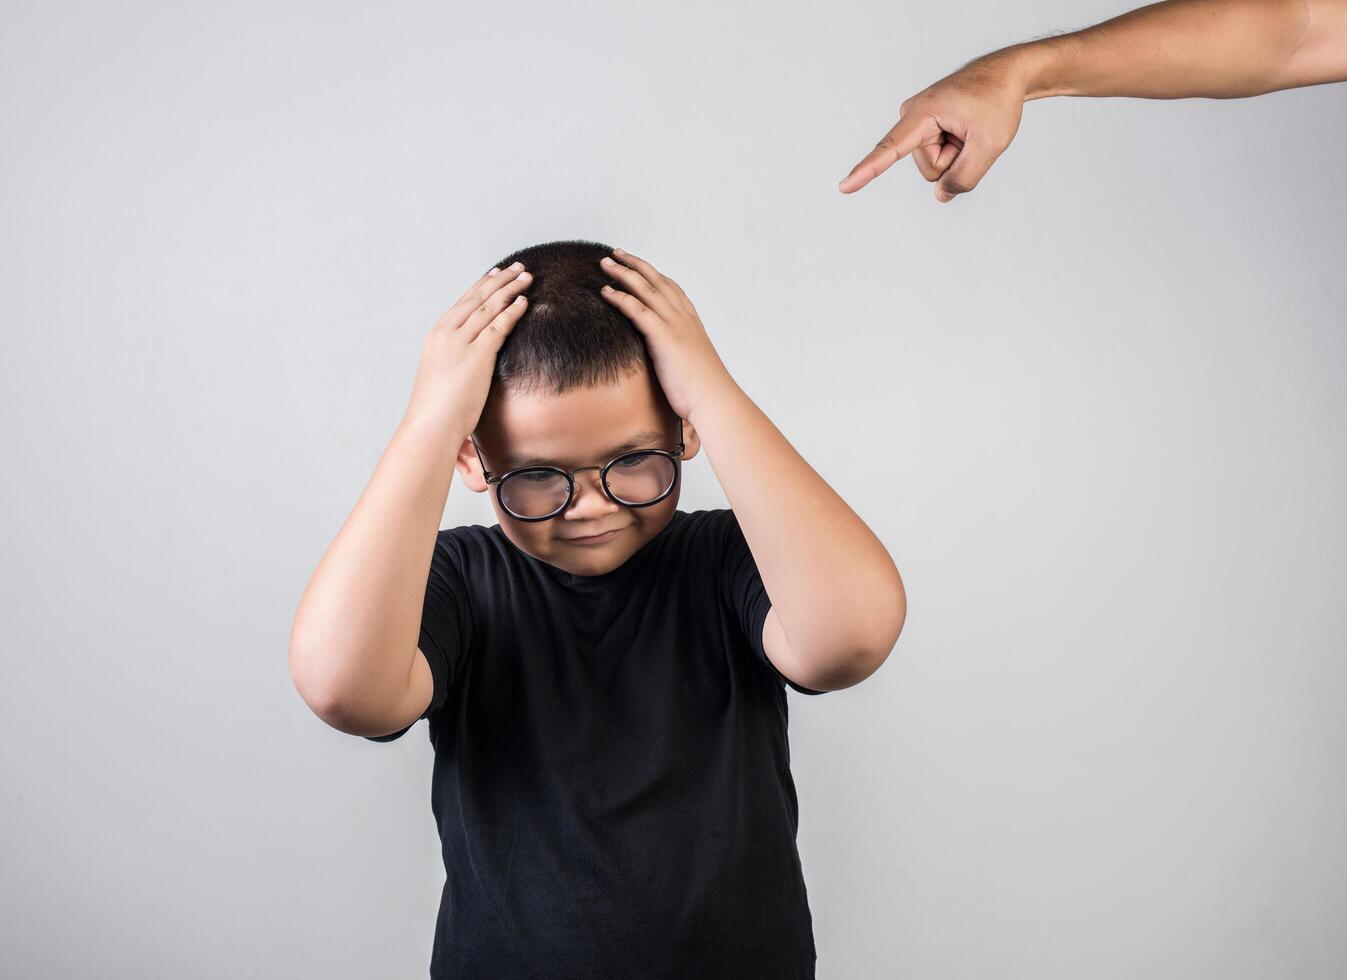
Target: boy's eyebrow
641 440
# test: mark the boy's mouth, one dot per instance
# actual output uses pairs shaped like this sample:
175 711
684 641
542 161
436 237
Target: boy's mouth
594 538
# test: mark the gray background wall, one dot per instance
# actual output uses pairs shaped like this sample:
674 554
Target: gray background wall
1096 410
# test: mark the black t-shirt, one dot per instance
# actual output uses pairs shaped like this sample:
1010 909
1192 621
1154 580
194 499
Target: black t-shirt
612 778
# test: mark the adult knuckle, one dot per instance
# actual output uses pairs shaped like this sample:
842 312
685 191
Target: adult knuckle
918 103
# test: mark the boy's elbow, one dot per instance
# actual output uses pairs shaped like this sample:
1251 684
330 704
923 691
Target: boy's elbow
871 657
364 707
343 713
322 690
880 635
862 653
317 691
872 646
898 618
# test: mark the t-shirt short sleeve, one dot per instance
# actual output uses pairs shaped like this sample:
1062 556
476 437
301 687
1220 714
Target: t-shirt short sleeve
745 593
446 624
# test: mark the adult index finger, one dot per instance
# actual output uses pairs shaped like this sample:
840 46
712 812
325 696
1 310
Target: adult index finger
908 133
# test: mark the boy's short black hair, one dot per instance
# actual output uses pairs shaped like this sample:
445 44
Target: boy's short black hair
569 336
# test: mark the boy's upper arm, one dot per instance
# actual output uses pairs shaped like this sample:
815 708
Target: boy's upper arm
750 602
447 635
416 701
776 647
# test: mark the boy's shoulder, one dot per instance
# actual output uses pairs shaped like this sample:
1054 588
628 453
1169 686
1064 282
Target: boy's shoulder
715 525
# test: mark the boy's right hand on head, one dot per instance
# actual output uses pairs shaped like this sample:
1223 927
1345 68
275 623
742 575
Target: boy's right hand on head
459 355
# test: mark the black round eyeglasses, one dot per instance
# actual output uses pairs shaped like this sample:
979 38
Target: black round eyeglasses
539 493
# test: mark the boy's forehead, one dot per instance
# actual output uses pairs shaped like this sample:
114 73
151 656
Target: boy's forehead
578 426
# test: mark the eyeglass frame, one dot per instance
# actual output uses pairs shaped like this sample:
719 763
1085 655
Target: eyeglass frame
676 456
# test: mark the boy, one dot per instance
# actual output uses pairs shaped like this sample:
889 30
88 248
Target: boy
603 675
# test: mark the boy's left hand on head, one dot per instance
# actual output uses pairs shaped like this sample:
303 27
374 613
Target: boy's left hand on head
686 362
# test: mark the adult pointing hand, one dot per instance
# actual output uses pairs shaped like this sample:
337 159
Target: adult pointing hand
1218 49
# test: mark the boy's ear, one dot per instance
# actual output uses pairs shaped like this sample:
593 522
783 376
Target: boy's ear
692 442
469 466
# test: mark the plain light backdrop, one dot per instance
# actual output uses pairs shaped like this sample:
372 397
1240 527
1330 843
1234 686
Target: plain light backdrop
1095 409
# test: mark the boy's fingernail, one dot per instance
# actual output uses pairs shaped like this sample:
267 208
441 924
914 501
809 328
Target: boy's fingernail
494 270
618 251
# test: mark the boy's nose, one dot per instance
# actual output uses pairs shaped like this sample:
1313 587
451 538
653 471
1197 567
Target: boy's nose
589 496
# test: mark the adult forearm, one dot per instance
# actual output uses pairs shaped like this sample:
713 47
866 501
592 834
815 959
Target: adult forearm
1191 48
354 636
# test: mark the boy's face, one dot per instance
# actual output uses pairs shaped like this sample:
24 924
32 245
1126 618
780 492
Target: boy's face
580 427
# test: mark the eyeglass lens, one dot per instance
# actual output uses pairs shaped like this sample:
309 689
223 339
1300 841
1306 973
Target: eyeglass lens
636 479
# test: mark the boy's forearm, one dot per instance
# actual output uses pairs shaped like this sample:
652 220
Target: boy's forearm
1188 49
355 633
835 589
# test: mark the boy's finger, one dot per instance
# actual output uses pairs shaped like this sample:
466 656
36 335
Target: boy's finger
499 326
910 132
667 287
636 281
488 285
659 280
635 311
681 296
478 293
477 290
500 299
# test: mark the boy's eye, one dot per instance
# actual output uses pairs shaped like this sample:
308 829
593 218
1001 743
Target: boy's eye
630 462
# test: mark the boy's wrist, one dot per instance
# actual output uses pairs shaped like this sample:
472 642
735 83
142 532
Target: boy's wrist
439 424
715 398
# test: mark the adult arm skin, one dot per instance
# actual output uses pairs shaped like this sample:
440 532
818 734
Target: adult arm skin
1217 49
